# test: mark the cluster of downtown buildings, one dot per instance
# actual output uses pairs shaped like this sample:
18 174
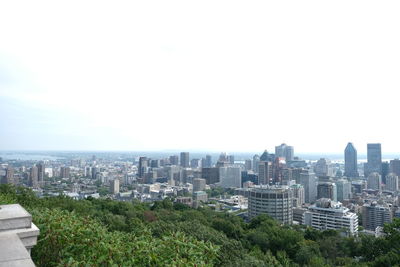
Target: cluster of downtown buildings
320 194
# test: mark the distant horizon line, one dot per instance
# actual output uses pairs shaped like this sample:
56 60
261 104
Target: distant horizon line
176 151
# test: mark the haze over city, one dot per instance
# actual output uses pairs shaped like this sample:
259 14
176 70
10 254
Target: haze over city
209 76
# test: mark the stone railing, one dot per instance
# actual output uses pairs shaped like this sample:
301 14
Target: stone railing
17 236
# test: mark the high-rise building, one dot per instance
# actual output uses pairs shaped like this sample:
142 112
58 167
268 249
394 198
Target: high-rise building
323 168
143 165
231 159
276 201
94 172
392 182
199 184
385 171
114 186
230 177
41 169
298 195
9 178
184 160
309 181
374 181
326 214
174 160
350 161
343 188
395 166
194 163
265 172
374 159
33 177
374 215
256 160
208 161
247 164
327 190
265 156
64 172
284 151
210 174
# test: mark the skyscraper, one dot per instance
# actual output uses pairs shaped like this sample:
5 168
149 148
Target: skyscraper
374 181
256 160
309 181
350 161
33 177
142 168
184 159
276 201
265 172
230 177
395 166
41 168
9 178
284 151
392 182
374 159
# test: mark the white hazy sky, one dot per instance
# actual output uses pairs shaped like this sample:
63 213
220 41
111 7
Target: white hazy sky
209 75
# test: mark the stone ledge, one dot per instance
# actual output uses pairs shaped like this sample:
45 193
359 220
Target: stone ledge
13 252
14 217
28 236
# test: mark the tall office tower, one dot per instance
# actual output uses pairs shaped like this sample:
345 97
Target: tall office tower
231 159
143 165
284 151
265 156
309 181
41 168
94 172
296 174
256 160
350 161
114 186
298 195
223 157
208 161
199 184
185 159
194 163
326 214
395 166
174 160
9 178
374 215
87 172
64 172
276 201
385 171
374 159
230 177
265 172
154 163
323 168
287 175
33 177
392 182
374 181
210 174
343 188
327 190
247 164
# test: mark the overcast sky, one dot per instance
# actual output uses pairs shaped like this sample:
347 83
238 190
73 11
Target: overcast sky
207 75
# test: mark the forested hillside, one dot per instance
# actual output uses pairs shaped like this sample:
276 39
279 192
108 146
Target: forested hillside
103 232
